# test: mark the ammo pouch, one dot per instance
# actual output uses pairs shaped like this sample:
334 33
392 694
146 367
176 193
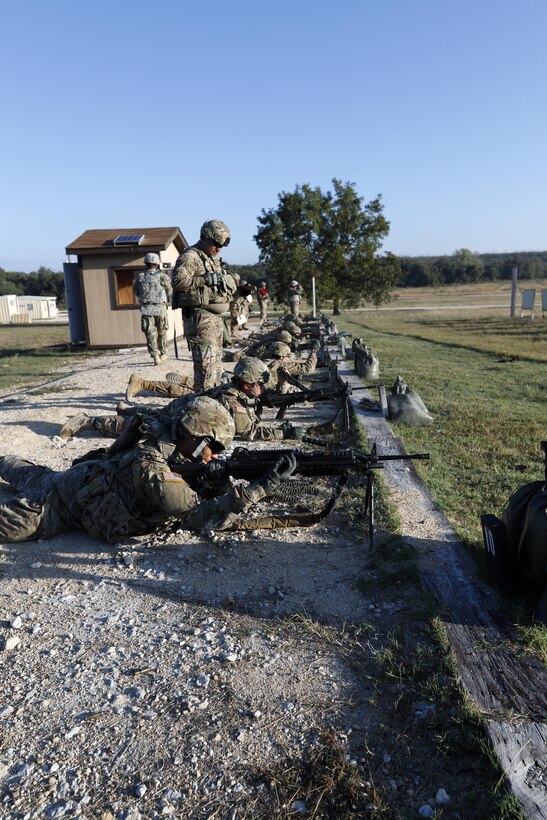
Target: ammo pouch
204 297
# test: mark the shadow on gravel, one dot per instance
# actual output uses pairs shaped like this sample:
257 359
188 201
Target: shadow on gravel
256 575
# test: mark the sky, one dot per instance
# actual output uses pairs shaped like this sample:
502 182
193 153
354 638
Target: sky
119 114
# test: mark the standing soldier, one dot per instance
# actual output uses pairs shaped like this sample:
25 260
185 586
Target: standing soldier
153 289
203 290
294 297
263 298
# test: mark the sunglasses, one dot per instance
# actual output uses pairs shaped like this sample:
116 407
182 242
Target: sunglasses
220 245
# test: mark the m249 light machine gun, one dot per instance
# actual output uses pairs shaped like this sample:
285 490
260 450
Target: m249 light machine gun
341 390
251 465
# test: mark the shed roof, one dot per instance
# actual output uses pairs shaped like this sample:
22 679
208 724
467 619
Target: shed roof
103 240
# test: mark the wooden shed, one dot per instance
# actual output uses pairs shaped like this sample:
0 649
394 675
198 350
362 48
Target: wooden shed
102 309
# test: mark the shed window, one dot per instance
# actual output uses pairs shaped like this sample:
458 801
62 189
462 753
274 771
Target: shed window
123 283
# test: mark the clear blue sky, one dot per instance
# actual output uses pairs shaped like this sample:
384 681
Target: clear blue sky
119 114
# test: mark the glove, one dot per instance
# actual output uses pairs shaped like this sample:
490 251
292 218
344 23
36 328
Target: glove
292 431
315 345
283 468
216 470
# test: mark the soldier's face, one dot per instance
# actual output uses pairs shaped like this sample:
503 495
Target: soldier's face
252 390
212 250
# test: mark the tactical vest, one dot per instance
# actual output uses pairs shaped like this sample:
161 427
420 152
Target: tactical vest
151 290
209 299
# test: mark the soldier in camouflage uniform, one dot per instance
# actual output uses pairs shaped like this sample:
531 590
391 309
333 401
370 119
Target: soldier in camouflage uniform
260 348
283 357
153 289
238 397
294 297
135 490
203 290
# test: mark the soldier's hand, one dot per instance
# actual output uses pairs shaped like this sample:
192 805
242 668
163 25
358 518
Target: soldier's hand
315 345
216 470
283 468
293 431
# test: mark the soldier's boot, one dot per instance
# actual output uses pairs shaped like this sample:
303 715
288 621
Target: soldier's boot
123 409
134 387
156 358
163 357
75 425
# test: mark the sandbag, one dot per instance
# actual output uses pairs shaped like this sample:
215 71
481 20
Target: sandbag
367 364
405 405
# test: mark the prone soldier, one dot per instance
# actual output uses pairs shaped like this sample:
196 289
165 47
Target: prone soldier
238 397
135 490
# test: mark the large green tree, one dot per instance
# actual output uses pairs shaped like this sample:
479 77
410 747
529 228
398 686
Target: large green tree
333 236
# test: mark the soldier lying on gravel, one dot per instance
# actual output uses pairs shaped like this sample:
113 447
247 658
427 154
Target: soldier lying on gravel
135 490
237 397
284 358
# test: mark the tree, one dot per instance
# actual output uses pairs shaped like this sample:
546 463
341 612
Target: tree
332 235
469 265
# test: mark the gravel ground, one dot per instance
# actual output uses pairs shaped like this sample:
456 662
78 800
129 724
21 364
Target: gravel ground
199 675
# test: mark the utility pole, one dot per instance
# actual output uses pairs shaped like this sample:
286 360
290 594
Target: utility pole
514 273
313 310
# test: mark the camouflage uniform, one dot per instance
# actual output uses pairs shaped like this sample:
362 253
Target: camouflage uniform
285 358
247 422
202 308
260 348
131 493
153 288
239 307
294 297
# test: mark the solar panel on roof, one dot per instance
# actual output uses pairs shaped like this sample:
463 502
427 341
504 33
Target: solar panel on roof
129 239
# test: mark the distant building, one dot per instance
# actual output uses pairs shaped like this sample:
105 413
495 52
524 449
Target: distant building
25 309
102 310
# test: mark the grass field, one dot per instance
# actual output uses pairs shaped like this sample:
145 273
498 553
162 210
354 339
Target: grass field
483 378
31 354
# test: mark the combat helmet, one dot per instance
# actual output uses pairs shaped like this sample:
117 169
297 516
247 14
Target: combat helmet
251 370
292 328
152 259
279 349
262 284
284 336
215 231
296 319
207 421
294 283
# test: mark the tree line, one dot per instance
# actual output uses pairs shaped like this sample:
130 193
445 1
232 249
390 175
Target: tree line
464 267
43 282
334 237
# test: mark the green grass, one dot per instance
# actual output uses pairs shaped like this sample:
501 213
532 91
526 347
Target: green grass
489 415
31 354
